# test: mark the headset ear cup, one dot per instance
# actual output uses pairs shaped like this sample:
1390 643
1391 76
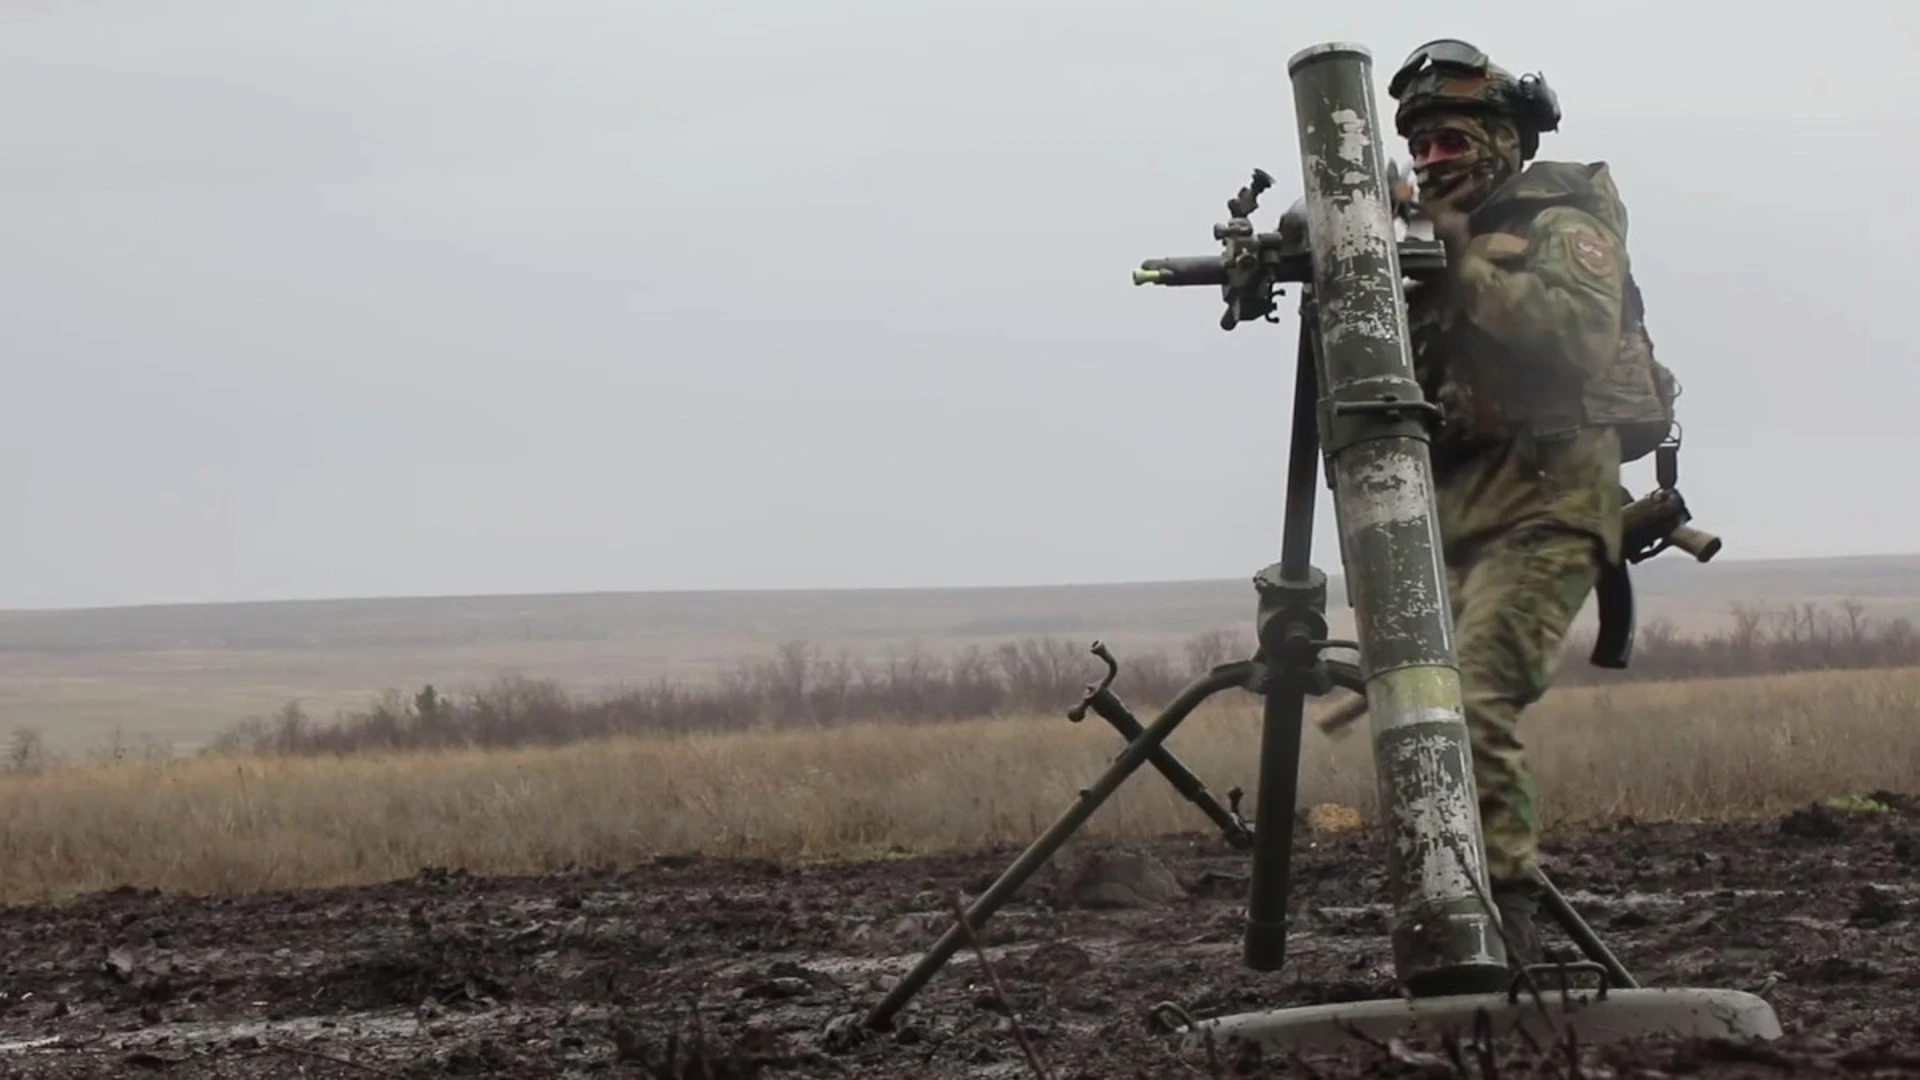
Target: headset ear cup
1542 104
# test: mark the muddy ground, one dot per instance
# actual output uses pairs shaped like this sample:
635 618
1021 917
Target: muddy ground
690 967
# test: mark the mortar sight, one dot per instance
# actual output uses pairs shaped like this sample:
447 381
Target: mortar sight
1253 266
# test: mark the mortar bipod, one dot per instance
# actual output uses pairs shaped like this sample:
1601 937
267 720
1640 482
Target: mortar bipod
1289 665
1136 753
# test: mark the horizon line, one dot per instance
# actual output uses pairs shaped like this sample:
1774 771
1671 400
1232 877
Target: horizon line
1332 578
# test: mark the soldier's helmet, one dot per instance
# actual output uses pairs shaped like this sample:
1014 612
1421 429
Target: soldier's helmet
1452 75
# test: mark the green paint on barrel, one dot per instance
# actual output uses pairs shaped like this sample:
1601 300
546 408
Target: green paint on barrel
1444 939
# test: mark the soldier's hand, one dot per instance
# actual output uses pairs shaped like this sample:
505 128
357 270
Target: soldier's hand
1400 191
1449 226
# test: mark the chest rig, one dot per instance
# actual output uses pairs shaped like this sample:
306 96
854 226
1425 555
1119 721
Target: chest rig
1488 392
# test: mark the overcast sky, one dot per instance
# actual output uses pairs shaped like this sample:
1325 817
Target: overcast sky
344 298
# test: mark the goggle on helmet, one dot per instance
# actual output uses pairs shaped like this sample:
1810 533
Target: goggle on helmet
1448 73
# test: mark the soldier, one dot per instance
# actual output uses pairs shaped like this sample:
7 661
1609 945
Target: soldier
1532 345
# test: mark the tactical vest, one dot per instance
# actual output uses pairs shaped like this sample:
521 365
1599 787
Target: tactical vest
1485 393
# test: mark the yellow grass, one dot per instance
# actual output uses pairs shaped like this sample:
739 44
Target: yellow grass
1650 751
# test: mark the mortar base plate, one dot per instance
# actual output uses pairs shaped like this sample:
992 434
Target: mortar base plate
1620 1014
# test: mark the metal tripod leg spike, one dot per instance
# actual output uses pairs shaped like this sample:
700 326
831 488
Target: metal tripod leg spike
1358 410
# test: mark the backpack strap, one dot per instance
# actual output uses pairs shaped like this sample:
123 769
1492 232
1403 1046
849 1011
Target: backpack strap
1666 456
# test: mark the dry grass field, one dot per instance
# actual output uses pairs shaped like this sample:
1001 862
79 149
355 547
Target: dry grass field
1709 749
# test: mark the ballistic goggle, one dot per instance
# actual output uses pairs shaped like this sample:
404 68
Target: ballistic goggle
1443 53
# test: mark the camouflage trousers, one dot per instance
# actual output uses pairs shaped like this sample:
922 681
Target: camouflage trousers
1514 599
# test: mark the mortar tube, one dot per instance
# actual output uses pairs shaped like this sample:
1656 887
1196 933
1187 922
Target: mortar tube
1373 428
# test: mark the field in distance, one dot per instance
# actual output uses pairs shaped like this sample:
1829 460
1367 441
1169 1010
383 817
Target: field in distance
182 674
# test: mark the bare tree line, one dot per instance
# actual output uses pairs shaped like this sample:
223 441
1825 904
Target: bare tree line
1797 637
801 685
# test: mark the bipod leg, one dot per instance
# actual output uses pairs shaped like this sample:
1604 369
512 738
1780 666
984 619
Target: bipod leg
1582 934
1292 628
1107 705
1224 677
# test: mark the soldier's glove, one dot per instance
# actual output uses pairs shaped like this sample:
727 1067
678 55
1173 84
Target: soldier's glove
1449 227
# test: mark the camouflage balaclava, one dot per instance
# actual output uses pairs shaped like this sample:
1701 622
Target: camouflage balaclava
1461 157
1469 125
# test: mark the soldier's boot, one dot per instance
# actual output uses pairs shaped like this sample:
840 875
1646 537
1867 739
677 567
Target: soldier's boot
1518 904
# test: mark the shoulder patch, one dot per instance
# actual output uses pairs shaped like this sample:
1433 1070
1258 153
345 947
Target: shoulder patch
1592 251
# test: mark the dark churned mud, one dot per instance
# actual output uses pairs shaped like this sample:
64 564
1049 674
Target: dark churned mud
691 967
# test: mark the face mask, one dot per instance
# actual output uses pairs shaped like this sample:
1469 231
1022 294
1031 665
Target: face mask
1461 159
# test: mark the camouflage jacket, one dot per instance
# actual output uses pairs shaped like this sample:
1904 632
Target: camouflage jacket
1532 347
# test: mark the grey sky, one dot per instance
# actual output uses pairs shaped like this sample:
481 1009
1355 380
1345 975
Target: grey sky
361 298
